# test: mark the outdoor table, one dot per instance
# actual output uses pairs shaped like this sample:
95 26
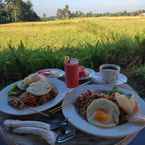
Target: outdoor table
84 139
80 139
140 139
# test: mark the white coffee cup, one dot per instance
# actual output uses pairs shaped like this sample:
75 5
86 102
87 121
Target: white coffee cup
110 72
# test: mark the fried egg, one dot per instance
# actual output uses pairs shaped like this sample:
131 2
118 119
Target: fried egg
103 113
33 78
21 85
39 88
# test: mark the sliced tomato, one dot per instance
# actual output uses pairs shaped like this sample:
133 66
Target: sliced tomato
136 108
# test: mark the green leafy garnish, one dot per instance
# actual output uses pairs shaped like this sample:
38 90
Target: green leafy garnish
114 90
13 91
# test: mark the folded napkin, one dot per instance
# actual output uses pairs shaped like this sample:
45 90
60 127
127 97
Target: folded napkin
36 128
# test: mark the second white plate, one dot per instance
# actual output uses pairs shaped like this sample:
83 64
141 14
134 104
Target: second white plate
8 109
71 114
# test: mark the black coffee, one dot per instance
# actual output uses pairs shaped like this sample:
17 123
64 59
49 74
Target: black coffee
110 67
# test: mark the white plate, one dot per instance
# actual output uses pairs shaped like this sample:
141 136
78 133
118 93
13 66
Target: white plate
8 109
121 80
71 114
56 73
91 74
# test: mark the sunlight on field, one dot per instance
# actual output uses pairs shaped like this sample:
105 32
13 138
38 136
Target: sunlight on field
72 33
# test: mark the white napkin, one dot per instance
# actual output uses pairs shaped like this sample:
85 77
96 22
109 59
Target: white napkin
32 127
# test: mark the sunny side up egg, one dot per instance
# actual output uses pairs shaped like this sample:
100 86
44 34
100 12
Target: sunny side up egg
102 116
103 113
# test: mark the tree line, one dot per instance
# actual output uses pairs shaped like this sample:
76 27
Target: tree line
19 10
66 13
16 11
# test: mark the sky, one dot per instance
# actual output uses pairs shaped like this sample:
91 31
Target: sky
49 7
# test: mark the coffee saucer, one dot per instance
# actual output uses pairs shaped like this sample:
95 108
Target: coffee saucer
122 79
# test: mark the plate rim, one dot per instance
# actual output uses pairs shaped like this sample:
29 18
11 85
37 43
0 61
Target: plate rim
60 75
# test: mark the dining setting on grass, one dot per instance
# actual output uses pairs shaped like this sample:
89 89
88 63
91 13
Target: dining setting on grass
74 106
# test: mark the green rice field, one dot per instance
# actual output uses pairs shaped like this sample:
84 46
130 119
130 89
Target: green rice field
72 33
